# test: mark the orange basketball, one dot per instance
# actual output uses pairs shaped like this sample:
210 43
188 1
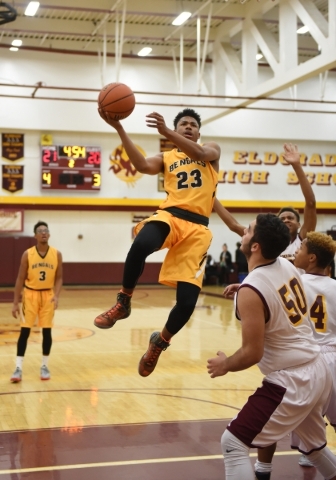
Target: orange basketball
116 99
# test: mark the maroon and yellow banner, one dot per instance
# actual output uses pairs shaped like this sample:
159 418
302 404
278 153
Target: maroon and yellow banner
12 178
12 146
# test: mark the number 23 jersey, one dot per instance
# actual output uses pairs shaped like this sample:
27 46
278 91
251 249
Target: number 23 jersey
41 270
189 184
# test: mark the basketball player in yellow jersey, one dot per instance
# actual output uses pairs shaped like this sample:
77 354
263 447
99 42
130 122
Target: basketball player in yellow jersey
180 224
40 276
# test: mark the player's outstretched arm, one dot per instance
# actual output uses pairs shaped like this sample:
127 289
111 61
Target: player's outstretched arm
252 315
150 165
227 218
292 156
231 290
208 152
19 283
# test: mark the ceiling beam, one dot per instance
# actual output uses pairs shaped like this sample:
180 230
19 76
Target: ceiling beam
282 56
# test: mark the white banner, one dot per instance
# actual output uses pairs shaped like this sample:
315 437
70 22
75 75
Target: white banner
11 220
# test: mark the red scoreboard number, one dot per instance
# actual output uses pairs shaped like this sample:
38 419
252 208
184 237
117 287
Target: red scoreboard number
70 167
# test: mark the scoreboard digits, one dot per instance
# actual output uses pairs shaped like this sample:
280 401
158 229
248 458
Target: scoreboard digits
70 167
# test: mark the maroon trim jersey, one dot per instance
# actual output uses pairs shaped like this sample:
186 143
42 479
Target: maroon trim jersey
289 340
321 297
289 253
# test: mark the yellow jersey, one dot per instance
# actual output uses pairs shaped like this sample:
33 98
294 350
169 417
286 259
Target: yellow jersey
41 270
189 184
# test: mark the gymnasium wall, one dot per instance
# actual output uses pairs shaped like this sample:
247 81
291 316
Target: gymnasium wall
252 177
107 236
141 74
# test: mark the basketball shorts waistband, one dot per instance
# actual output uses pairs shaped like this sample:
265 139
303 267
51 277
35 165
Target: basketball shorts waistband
303 365
189 216
38 289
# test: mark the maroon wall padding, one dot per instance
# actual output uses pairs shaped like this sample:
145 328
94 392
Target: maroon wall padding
104 273
20 245
7 273
11 250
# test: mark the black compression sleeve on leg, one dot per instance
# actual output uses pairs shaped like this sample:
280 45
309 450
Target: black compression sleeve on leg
22 341
46 341
150 239
186 299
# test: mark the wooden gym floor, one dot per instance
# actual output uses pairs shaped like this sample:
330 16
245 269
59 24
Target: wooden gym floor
98 419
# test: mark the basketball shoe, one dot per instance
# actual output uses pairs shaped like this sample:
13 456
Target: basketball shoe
122 309
17 376
148 361
45 373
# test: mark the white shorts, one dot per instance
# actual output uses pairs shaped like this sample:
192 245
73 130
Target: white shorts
329 354
291 400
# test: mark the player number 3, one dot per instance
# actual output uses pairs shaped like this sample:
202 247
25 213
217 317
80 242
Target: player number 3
42 276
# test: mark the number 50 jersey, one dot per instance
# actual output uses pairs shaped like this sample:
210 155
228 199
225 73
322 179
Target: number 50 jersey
189 184
41 270
289 340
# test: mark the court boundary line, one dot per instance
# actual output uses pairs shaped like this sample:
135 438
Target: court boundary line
128 463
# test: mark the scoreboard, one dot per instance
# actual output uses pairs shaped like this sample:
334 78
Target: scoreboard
70 167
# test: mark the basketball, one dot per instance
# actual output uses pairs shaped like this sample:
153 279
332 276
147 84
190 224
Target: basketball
116 99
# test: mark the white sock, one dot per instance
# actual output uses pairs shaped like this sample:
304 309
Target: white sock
262 467
19 361
45 359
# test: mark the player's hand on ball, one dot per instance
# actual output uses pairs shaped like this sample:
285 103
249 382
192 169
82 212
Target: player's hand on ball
105 116
216 366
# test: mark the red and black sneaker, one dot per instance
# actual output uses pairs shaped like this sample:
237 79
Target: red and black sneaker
148 361
122 309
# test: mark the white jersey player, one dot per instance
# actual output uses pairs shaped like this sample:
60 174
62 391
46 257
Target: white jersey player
276 334
289 252
289 215
315 254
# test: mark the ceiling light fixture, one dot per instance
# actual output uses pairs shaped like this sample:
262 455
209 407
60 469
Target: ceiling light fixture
17 43
32 8
259 56
13 49
303 29
144 52
183 17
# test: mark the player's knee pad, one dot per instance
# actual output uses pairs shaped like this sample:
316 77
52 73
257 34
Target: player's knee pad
324 461
236 457
233 447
